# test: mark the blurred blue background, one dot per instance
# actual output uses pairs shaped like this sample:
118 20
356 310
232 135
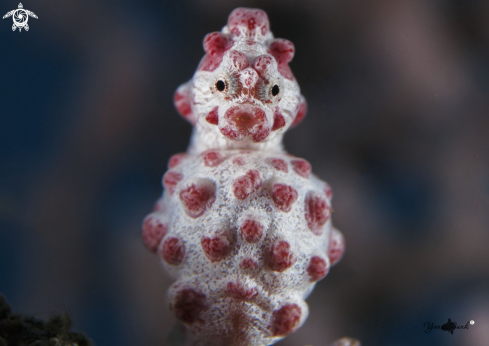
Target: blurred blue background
398 124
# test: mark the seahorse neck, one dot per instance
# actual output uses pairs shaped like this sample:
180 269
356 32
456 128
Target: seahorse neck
202 141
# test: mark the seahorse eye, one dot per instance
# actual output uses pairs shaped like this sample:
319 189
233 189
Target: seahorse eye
275 90
220 85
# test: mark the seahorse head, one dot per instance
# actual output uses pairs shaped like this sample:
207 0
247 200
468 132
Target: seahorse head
243 89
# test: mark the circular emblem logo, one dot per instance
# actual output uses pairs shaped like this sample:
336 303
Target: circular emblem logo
20 17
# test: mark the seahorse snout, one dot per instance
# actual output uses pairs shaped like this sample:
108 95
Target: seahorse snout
246 121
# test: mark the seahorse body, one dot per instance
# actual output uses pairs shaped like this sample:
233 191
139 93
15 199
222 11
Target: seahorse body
243 227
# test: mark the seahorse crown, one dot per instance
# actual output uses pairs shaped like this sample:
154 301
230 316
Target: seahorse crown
243 95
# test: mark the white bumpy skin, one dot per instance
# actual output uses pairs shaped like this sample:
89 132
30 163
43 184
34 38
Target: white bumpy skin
243 227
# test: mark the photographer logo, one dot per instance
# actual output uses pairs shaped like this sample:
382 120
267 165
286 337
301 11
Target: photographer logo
20 17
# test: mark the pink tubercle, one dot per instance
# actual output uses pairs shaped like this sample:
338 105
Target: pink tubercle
279 165
171 180
182 103
284 196
187 305
153 231
245 185
252 230
301 167
328 191
215 45
248 22
301 113
317 269
176 159
336 247
278 121
198 197
317 212
217 247
240 291
248 264
239 60
239 160
213 116
286 319
281 256
283 51
212 158
263 65
159 206
173 250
